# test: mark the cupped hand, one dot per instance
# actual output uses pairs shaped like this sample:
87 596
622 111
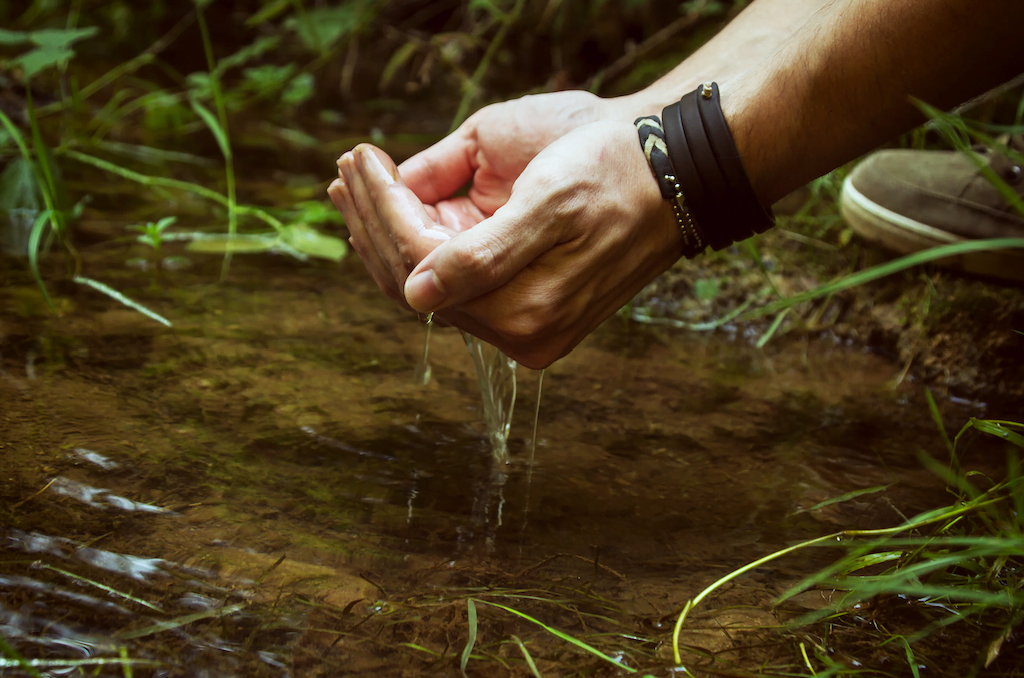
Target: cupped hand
488 152
583 230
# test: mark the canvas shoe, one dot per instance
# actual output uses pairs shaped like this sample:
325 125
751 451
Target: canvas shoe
909 200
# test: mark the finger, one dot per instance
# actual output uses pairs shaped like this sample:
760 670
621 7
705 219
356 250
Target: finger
401 230
481 259
341 196
376 246
459 214
445 167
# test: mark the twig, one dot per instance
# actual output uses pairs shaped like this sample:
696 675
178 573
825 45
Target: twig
568 555
28 499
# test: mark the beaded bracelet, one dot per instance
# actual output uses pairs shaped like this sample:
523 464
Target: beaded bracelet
652 140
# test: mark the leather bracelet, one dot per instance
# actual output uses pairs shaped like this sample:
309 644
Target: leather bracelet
710 171
688 178
652 141
748 208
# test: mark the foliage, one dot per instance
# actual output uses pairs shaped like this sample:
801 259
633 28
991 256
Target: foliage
51 47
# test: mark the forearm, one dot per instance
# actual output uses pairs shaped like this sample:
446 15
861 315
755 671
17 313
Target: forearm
753 35
841 84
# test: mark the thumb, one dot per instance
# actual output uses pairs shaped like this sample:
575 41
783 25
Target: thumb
478 260
439 171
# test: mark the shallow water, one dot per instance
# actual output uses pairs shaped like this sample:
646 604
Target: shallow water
282 417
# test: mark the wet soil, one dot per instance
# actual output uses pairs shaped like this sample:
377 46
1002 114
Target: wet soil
271 478
958 334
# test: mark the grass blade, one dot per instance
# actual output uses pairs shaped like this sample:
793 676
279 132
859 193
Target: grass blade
527 657
468 650
998 430
170 624
767 336
845 497
886 269
564 636
102 587
211 122
34 238
117 296
14 660
934 409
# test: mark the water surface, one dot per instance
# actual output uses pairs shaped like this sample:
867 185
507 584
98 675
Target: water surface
280 418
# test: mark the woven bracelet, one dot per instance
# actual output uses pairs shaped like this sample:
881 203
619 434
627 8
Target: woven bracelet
652 140
710 171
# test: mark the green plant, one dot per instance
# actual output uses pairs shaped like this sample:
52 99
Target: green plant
963 563
151 234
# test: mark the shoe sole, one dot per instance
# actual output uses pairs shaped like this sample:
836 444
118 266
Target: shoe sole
902 234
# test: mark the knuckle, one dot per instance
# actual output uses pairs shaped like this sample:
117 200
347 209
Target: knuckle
477 257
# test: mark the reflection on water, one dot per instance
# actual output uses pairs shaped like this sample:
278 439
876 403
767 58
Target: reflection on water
272 452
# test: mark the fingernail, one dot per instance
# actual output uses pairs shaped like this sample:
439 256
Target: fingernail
337 193
369 162
424 291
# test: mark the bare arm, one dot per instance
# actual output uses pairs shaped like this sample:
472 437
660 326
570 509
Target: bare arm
753 35
841 84
546 247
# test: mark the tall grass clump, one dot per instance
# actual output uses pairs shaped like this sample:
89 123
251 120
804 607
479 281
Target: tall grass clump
960 565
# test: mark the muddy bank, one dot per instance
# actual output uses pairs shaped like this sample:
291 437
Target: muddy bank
955 333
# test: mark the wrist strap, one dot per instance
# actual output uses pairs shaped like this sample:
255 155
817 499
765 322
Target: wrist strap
709 170
652 140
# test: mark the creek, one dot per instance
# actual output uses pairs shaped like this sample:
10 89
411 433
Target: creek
268 488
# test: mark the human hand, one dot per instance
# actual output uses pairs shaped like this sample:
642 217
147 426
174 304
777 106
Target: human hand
583 230
490 149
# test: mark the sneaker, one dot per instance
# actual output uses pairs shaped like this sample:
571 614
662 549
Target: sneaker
909 200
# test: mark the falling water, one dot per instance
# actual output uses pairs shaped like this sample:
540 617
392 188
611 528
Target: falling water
496 373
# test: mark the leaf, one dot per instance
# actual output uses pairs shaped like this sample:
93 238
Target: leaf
257 48
117 296
489 6
33 252
199 85
13 37
317 212
308 240
330 23
845 497
165 223
61 38
266 79
706 289
937 417
397 60
527 656
883 270
18 187
299 90
40 59
238 244
211 122
468 650
998 430
267 12
564 636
